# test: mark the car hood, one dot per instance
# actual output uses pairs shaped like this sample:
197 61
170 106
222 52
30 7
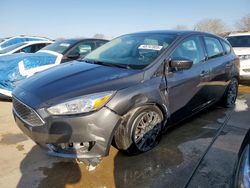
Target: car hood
242 50
9 72
71 80
14 56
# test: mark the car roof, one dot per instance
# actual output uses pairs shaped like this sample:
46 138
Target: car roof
181 33
38 42
76 40
173 32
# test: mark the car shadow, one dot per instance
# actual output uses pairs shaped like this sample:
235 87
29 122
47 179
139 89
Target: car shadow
41 170
168 164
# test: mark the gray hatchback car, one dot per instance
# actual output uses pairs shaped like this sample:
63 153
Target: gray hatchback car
126 93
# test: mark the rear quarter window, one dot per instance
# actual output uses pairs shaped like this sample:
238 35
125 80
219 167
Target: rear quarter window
227 47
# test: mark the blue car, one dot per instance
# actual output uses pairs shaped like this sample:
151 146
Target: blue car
16 67
6 42
25 47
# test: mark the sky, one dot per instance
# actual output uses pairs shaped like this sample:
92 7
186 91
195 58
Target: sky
79 18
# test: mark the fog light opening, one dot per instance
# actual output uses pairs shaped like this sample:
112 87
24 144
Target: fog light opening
73 147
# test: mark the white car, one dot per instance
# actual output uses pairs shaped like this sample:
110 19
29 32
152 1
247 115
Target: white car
241 45
5 42
25 47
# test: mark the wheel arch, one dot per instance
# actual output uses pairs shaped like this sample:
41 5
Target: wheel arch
161 107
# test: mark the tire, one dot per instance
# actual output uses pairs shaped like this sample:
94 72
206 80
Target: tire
229 98
140 130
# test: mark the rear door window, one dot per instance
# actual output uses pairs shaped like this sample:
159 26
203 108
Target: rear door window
214 48
227 47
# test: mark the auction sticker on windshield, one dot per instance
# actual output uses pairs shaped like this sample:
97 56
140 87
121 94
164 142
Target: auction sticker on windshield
150 47
65 44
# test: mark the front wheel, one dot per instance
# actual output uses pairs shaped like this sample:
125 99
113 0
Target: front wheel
229 98
140 131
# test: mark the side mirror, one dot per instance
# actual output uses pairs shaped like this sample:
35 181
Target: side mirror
181 63
75 55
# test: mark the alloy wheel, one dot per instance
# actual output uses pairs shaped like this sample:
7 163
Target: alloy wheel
147 130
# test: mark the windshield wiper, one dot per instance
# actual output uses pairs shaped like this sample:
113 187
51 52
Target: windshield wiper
125 66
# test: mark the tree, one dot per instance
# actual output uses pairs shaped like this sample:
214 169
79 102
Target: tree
99 36
181 27
216 26
244 23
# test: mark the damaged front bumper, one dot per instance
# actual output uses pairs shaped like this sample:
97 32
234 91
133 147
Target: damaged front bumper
76 136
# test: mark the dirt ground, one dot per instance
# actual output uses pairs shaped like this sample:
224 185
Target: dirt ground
199 151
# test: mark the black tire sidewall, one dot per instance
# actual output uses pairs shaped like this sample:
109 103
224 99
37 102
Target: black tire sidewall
226 104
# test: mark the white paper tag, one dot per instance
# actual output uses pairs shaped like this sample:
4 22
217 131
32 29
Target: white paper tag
150 47
65 44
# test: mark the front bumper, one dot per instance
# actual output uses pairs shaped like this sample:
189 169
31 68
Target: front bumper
96 128
245 77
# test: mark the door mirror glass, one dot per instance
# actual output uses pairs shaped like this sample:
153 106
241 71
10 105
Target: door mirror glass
181 63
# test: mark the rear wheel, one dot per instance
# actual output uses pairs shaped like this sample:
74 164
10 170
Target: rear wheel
230 96
140 131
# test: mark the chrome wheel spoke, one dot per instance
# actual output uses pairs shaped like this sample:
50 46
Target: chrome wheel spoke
147 130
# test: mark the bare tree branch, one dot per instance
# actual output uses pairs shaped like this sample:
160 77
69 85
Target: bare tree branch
244 23
181 27
99 36
216 26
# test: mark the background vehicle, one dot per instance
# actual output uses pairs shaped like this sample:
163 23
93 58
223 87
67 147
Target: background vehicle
16 67
241 45
4 43
126 91
242 170
72 49
24 47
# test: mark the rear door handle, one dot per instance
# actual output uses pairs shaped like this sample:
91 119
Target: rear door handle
204 73
229 65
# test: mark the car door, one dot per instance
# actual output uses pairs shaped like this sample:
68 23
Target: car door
187 89
220 66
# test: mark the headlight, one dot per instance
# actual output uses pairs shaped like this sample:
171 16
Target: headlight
244 57
82 104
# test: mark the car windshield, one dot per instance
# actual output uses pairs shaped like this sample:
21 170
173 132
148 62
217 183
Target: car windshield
10 48
60 46
134 51
239 41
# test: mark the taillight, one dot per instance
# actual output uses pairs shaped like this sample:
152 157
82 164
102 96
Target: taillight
237 61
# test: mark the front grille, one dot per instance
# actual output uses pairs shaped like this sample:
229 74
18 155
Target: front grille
27 114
